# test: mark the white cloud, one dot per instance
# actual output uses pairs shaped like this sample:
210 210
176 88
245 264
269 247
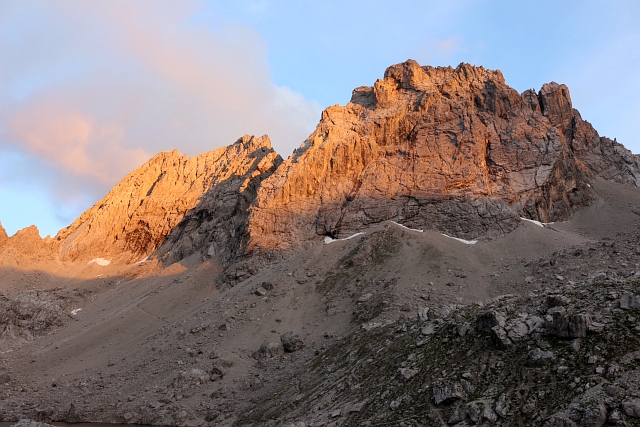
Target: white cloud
93 89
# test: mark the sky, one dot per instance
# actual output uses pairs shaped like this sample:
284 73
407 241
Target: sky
90 90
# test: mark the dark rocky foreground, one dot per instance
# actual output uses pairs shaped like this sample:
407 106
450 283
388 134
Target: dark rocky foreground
565 355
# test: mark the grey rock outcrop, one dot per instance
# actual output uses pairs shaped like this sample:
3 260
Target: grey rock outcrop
291 341
447 392
568 326
629 301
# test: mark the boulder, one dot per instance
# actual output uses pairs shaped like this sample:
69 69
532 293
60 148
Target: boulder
629 301
487 320
291 341
447 392
631 407
500 337
269 350
568 326
538 357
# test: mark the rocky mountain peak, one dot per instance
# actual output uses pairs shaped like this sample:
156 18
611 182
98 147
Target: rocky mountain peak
3 236
24 242
139 212
454 149
555 103
410 75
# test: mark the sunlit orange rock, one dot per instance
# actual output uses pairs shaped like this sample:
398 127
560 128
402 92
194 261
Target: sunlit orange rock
455 150
134 218
3 236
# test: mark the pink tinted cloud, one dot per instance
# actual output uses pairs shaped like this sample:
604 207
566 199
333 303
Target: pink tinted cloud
71 140
93 89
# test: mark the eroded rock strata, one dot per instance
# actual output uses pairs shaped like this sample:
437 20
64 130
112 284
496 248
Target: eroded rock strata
452 149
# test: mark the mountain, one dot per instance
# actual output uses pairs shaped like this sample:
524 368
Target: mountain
25 248
135 217
440 251
456 150
3 236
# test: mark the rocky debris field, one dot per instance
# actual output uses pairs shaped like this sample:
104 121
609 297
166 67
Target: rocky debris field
384 342
32 313
563 355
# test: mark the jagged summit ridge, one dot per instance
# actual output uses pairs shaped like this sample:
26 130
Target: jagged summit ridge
139 212
3 236
452 149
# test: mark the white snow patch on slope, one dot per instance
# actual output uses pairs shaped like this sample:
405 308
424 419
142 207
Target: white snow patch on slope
538 223
404 226
466 242
100 261
328 239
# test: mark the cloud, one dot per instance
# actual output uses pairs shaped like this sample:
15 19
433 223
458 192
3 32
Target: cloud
436 50
93 89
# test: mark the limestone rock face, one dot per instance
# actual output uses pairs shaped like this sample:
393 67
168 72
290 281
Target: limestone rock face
134 218
25 242
3 236
218 223
25 247
456 150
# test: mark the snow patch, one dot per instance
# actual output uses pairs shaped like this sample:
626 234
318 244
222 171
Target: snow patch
328 239
100 261
75 311
404 226
142 260
538 223
466 242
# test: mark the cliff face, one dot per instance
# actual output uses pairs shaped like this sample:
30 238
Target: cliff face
452 149
3 236
26 241
134 218
26 247
217 225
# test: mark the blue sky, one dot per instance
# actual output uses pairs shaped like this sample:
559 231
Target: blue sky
90 90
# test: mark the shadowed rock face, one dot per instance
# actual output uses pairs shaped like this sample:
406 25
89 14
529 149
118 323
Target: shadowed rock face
452 149
134 218
217 225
